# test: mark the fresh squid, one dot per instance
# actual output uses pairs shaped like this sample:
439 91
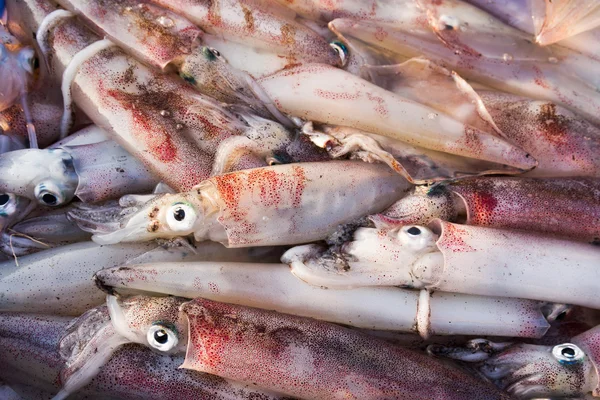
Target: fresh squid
566 370
60 280
463 38
340 98
174 130
456 258
566 18
568 207
291 355
272 287
269 206
32 365
164 39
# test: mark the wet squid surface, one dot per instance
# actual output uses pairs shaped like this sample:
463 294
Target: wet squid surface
273 199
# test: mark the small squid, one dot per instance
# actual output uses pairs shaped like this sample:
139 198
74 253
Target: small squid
273 287
340 98
295 356
32 365
456 258
526 371
277 205
568 207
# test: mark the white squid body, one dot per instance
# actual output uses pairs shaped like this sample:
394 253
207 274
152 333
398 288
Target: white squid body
273 287
340 98
460 258
59 281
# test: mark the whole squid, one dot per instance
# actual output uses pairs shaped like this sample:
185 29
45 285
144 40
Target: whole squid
340 98
32 365
568 207
291 355
277 205
526 371
456 258
273 287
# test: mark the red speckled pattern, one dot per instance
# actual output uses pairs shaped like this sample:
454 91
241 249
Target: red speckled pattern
311 359
589 342
569 207
299 203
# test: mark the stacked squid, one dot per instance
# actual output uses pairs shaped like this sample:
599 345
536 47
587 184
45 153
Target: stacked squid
272 199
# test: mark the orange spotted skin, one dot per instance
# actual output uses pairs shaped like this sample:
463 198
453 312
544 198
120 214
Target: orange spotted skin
307 358
569 207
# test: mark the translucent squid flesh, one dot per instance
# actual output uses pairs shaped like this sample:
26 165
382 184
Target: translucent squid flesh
269 206
93 173
257 23
340 98
32 362
59 280
567 18
568 207
291 355
457 258
272 287
566 370
515 65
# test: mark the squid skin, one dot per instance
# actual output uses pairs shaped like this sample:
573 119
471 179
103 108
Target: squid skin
257 23
277 350
272 287
340 98
32 366
269 206
60 280
508 203
567 19
457 258
92 172
565 370
517 65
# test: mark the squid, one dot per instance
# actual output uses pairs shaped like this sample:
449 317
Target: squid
32 365
59 281
568 18
269 206
463 38
568 207
456 258
526 371
291 355
165 40
170 127
19 68
258 23
340 98
563 143
272 287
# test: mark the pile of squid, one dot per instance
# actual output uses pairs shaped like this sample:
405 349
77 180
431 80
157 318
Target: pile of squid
299 199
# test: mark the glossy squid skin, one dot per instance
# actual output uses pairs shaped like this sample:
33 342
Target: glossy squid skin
31 358
568 207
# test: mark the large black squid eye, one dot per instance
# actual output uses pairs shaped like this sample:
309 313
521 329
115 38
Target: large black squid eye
4 198
160 336
49 199
179 214
413 230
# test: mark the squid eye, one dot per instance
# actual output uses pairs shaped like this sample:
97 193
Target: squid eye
8 204
162 336
211 53
568 353
181 217
341 49
414 231
29 60
49 194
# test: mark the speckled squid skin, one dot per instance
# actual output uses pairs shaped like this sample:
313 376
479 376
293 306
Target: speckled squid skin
257 23
310 359
568 207
160 120
30 357
589 342
298 203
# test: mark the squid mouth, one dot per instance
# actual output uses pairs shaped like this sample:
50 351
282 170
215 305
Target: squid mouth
112 222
